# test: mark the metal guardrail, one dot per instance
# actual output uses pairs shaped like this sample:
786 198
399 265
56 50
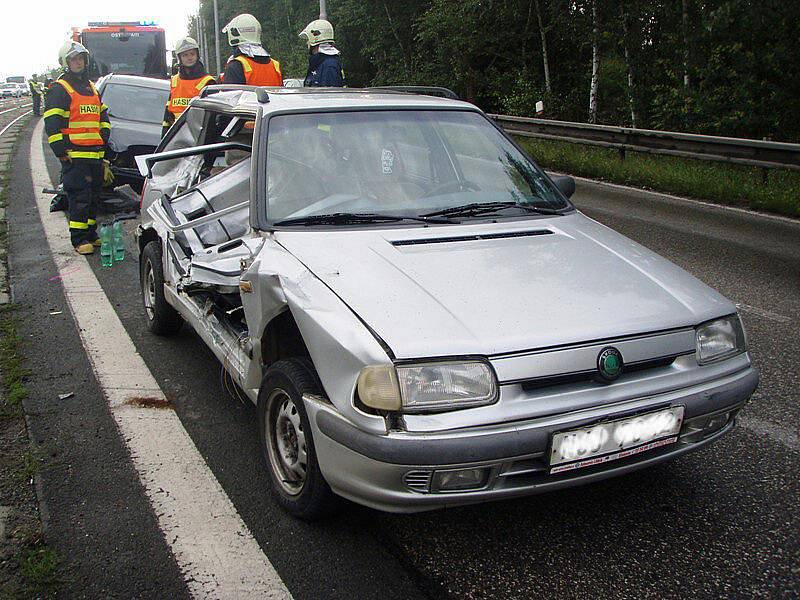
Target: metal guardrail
757 153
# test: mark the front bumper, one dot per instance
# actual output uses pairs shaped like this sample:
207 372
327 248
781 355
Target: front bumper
389 472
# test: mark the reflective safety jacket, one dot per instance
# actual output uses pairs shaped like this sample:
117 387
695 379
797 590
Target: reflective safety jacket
76 120
182 90
245 70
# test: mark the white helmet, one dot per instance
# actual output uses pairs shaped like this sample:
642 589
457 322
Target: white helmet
186 44
69 49
243 29
317 32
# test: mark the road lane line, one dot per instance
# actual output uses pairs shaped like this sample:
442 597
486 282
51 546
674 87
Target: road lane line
2 112
213 547
763 313
784 435
722 207
14 121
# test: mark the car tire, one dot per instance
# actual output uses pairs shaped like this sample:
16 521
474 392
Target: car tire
297 484
162 319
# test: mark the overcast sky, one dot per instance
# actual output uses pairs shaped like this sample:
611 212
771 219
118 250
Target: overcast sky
33 30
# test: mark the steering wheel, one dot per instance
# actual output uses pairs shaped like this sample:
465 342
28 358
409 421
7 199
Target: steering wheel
452 186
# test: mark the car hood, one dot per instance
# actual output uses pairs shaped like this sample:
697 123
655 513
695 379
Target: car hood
125 134
502 287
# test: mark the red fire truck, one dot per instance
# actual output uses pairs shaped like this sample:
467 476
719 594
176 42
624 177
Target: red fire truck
127 48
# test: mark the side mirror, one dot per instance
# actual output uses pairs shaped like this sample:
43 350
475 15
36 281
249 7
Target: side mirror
565 184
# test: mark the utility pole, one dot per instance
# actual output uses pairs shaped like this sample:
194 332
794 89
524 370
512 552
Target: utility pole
199 21
216 38
206 54
323 13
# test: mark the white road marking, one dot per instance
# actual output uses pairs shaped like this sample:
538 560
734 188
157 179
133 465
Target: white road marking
764 313
15 108
786 436
215 551
735 209
25 114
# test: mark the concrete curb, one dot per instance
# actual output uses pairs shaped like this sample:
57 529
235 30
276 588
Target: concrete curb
7 147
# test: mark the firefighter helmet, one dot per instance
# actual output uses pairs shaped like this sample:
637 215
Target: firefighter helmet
185 44
243 29
70 49
317 32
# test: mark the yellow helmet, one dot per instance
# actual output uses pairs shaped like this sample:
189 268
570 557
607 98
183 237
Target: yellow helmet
317 32
69 49
243 29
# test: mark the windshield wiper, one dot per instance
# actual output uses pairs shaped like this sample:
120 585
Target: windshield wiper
343 218
482 208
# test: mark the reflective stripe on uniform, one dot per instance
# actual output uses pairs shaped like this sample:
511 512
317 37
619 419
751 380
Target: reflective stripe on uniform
245 64
83 125
91 222
105 125
85 136
203 82
165 124
56 137
83 154
78 225
66 86
56 111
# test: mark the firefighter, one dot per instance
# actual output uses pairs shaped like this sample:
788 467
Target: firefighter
36 96
191 78
324 62
250 64
77 127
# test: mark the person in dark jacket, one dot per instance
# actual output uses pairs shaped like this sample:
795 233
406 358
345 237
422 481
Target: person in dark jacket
250 63
36 96
77 126
324 61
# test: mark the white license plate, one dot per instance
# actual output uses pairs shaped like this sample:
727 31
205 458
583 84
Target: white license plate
613 440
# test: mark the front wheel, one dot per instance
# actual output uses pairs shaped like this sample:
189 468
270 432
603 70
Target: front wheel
162 319
286 442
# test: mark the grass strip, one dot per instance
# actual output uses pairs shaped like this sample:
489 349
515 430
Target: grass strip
14 390
731 185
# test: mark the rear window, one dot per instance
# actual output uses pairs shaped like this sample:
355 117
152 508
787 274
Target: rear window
135 103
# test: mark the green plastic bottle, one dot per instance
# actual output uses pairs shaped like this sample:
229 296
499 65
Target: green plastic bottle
106 246
118 241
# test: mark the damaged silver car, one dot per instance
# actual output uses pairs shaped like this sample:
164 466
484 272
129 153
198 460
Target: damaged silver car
419 313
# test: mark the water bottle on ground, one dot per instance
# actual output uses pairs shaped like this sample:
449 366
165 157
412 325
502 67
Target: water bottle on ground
106 246
118 240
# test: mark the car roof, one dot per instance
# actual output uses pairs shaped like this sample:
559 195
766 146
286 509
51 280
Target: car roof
313 99
148 82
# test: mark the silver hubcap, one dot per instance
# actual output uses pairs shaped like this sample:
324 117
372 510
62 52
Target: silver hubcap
149 285
287 442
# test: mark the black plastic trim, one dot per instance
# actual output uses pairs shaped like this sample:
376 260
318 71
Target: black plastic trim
471 238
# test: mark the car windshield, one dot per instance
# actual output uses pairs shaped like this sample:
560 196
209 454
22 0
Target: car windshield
135 103
414 163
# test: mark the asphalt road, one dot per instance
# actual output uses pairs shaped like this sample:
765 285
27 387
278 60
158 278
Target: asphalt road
724 521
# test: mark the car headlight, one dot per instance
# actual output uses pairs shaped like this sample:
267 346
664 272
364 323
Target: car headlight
718 339
431 387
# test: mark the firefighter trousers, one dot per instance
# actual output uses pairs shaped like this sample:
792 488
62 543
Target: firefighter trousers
83 180
37 104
